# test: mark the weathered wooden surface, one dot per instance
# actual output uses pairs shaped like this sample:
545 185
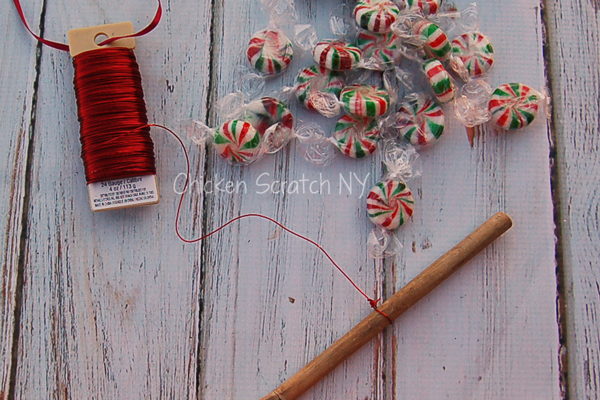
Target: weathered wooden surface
110 302
17 82
114 306
573 65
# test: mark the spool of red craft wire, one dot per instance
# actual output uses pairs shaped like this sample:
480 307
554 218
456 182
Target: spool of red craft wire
116 148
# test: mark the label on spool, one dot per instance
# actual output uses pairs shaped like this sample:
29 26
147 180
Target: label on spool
122 193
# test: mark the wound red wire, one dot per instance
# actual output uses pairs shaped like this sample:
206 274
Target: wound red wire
372 302
111 110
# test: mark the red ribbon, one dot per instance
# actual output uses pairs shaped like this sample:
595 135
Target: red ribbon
65 47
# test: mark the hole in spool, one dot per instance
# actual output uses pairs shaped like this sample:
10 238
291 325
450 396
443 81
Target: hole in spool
99 38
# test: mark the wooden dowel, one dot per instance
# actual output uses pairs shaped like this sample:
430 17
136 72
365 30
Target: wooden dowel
401 301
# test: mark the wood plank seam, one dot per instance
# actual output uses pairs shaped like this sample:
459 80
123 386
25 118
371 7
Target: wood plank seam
22 246
204 249
555 186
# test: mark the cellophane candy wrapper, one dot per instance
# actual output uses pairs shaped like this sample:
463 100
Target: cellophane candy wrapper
342 23
455 22
471 106
237 141
250 84
397 80
316 148
390 203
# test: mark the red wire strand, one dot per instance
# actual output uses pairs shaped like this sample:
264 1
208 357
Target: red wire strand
64 47
372 302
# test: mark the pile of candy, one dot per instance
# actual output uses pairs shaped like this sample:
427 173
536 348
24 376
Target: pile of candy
376 37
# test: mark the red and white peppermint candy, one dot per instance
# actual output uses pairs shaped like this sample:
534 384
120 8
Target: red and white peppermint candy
427 6
316 80
380 51
376 15
475 52
337 55
435 42
420 121
356 137
365 100
266 112
514 105
440 80
270 51
390 204
237 142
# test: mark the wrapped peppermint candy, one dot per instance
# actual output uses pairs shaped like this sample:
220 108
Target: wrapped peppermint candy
380 51
427 7
236 141
472 55
376 16
270 51
356 137
422 36
440 81
253 129
366 101
419 121
380 47
510 106
263 114
390 203
318 88
337 55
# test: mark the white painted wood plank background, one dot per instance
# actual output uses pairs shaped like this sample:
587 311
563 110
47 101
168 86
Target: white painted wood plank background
17 83
115 307
490 331
574 56
254 336
110 301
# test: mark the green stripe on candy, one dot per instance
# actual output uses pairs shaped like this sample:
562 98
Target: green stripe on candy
399 189
220 139
360 152
436 129
252 144
260 63
442 86
371 108
335 59
377 214
365 18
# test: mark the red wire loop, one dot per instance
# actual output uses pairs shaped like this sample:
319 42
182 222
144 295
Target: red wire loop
64 47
